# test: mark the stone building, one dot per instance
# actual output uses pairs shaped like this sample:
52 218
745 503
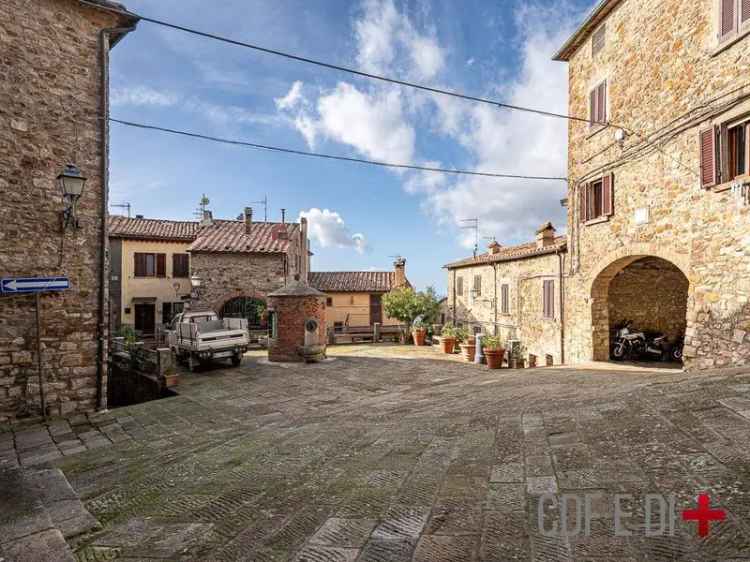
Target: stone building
355 298
53 93
658 222
149 271
239 262
514 292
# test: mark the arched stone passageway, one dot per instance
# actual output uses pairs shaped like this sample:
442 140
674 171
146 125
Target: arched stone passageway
650 291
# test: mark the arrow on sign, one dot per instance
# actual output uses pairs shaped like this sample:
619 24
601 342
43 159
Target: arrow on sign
35 284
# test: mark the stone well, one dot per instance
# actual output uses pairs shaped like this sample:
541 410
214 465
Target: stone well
297 316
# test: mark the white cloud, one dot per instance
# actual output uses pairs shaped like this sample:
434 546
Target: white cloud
292 98
328 229
142 96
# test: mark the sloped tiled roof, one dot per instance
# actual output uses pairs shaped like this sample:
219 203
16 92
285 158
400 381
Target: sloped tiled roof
510 253
597 15
352 281
230 237
152 229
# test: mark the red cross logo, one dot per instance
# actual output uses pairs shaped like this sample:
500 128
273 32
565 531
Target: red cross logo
704 514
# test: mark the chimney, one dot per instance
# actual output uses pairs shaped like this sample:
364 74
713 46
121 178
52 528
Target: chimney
494 247
399 266
208 218
283 216
248 219
545 236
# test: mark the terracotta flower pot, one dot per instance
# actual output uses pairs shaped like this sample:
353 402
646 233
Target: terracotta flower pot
468 350
494 357
171 380
448 344
419 336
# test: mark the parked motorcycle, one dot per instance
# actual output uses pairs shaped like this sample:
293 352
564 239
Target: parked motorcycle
629 343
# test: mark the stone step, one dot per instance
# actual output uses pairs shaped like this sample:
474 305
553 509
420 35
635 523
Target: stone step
40 513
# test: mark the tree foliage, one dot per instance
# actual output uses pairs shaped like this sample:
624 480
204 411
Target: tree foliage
406 305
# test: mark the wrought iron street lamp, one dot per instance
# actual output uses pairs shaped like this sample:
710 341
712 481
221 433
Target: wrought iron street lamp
71 182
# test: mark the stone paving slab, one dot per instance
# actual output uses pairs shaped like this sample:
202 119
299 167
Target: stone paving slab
392 453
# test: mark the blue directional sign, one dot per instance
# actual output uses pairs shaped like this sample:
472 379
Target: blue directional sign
33 284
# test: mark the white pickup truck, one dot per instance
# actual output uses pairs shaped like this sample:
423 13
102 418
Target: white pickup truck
200 337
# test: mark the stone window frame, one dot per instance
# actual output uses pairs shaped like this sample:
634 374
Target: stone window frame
741 29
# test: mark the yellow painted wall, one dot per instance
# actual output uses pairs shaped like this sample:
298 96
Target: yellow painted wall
159 287
356 305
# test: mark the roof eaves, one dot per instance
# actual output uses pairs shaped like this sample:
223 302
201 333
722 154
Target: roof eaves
129 18
592 21
473 262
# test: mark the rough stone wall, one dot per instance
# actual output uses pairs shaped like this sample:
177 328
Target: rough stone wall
291 315
661 64
49 106
653 295
227 276
525 322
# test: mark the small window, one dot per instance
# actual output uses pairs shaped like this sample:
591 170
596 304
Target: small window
150 265
734 18
736 152
460 286
505 299
329 301
597 199
351 300
477 286
548 299
598 40
598 106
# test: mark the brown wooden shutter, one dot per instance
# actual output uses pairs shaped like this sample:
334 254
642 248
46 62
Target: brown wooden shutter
708 157
608 194
586 202
593 112
140 265
161 265
728 18
602 103
745 8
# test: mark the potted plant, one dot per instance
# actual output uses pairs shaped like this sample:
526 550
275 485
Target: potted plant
493 351
418 331
469 348
448 338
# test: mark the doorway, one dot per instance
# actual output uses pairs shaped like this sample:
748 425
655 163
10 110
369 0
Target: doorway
376 309
145 318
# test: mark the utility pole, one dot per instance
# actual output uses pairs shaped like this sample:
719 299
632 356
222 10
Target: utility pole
472 224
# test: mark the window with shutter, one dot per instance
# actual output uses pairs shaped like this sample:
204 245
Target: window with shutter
505 299
584 189
598 106
477 285
608 186
460 286
744 12
593 108
181 265
708 157
727 18
548 299
140 265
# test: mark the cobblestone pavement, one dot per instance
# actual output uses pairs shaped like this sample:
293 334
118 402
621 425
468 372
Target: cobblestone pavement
387 453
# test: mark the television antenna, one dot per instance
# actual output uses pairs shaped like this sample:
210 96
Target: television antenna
263 202
200 212
472 224
121 206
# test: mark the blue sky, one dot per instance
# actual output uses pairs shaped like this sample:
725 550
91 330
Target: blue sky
360 216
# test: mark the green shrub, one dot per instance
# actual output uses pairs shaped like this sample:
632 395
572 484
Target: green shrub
493 343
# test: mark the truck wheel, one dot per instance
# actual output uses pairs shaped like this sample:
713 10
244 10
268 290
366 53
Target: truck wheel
236 360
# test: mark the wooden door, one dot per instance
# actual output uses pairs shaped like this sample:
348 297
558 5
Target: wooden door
376 309
145 318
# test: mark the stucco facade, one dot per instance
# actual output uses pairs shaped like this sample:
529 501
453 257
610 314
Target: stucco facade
354 309
668 78
53 90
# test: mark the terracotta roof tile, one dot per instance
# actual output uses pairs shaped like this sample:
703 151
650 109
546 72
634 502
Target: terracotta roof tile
510 253
352 281
230 237
152 229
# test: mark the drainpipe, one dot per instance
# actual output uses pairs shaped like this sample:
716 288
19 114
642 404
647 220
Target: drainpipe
103 319
494 269
562 305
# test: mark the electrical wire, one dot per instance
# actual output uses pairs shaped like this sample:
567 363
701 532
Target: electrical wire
349 70
330 156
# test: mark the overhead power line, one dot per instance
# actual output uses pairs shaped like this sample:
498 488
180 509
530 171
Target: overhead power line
340 68
330 156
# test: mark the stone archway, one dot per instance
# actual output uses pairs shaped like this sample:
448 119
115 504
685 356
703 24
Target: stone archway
649 289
